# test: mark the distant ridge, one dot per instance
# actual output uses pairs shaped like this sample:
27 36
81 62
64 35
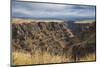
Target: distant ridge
60 18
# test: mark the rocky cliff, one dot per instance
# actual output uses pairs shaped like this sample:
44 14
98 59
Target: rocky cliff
53 37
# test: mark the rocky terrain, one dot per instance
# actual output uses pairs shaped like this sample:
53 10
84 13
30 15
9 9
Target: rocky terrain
54 37
46 36
82 29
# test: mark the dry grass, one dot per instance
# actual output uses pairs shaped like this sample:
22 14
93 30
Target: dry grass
21 58
90 57
20 20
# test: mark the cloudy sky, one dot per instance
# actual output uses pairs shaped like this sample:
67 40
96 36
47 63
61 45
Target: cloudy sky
52 11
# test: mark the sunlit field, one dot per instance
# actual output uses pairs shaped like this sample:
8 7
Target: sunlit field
21 58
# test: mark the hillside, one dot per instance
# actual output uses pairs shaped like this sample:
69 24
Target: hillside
54 37
82 29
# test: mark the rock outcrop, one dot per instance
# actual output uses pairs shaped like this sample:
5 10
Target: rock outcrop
52 37
57 38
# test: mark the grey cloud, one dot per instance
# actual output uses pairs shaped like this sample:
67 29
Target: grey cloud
51 10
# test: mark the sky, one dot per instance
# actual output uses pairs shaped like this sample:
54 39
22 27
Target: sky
52 11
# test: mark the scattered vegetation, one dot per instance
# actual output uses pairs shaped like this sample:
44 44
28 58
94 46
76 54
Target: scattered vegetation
41 43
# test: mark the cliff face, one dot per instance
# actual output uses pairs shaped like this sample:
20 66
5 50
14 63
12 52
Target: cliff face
52 37
82 30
